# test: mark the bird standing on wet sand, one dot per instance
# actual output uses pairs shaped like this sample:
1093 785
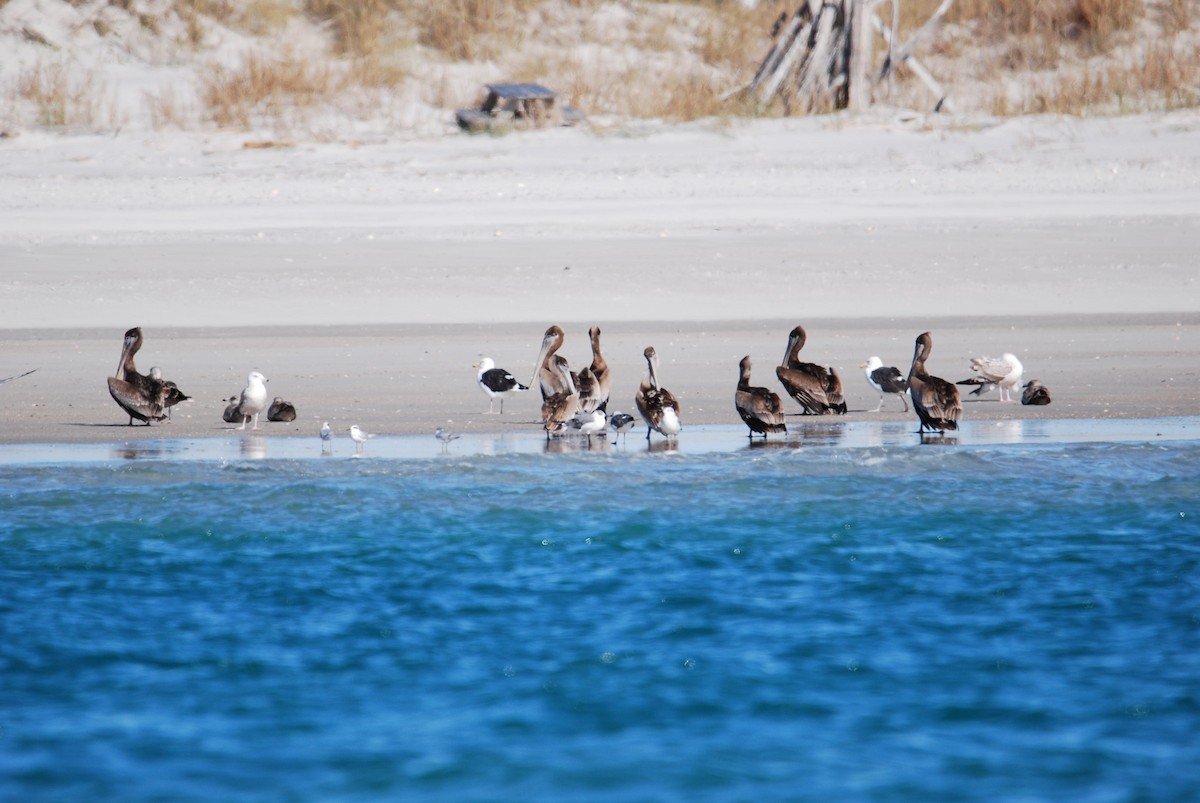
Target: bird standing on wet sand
359 437
141 396
326 436
885 379
496 382
761 409
658 406
817 389
1003 373
935 401
621 423
253 399
445 436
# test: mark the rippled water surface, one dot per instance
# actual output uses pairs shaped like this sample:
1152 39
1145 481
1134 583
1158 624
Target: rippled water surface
851 618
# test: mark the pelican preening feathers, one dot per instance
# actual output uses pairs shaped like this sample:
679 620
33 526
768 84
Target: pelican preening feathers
145 397
658 406
885 379
496 382
563 404
1003 373
817 389
761 409
935 400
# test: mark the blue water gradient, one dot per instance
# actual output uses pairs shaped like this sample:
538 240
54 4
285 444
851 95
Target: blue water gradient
994 622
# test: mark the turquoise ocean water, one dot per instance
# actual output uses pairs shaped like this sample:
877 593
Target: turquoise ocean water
847 616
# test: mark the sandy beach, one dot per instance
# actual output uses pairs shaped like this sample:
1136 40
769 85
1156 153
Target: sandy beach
364 282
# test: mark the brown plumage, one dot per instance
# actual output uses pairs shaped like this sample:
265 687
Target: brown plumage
545 373
561 406
817 389
231 414
281 410
934 400
761 409
658 406
142 397
595 381
1035 393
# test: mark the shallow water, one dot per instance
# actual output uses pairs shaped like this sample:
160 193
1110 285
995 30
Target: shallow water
849 616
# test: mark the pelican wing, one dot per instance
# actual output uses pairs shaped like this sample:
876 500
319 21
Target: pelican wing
806 389
135 401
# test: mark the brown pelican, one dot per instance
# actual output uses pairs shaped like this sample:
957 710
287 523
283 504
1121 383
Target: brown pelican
1035 393
561 406
545 372
253 399
885 379
231 414
496 382
935 400
816 388
281 410
141 396
658 406
595 389
760 408
1003 373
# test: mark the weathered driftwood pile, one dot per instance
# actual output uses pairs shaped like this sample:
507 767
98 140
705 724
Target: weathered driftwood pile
822 57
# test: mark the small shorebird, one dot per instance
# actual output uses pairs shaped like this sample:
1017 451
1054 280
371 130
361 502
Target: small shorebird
935 400
326 436
359 437
253 400
885 379
445 436
281 410
1003 373
621 423
496 382
590 423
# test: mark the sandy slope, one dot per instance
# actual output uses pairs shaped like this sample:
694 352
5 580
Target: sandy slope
365 281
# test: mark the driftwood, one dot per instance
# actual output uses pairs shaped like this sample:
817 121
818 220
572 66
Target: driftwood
821 57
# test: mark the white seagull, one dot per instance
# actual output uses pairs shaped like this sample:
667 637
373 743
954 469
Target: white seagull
593 423
254 399
885 379
496 382
1003 373
326 436
359 437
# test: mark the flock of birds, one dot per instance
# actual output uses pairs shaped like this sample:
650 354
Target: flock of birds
577 402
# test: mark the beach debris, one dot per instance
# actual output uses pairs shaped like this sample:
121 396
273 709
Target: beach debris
281 410
1035 393
885 379
496 382
517 105
822 58
1003 373
16 376
760 408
